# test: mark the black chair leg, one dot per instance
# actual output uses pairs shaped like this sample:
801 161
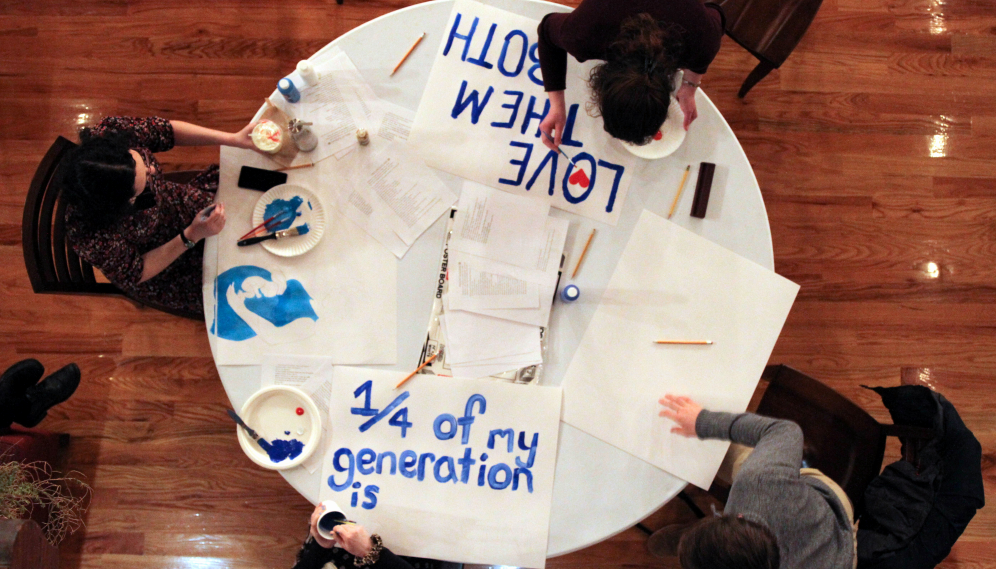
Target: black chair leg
338 1
691 505
760 72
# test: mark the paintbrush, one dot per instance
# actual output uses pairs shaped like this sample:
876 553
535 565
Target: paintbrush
561 150
292 232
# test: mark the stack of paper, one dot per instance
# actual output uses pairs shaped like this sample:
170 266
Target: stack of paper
504 256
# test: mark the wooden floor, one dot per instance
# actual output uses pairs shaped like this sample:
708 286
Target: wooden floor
874 146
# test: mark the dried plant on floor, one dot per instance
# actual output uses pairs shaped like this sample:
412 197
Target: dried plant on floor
25 486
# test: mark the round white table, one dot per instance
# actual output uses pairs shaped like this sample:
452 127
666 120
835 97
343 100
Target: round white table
598 490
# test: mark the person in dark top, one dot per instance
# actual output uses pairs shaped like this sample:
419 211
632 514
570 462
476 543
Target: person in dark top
353 547
644 44
125 219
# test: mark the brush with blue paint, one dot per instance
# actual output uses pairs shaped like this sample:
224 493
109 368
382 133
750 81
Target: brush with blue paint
561 150
292 232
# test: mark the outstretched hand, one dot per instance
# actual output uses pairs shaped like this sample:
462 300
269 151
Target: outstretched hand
243 138
686 100
681 410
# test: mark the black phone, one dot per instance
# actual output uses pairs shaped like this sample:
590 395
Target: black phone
259 179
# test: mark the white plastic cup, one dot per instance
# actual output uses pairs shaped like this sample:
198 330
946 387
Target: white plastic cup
331 517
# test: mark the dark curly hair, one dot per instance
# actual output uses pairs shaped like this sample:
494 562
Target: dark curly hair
632 89
728 542
98 177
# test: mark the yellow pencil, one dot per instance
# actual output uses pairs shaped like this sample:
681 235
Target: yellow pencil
686 342
410 50
299 166
583 253
681 187
412 374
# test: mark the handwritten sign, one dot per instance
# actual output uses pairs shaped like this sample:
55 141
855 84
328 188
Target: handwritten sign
480 114
452 469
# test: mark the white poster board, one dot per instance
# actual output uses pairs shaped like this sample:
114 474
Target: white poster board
480 113
673 284
453 469
338 299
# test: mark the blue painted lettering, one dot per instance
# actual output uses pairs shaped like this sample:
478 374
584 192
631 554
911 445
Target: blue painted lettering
339 468
615 182
408 460
520 163
450 466
567 174
437 427
509 434
534 57
572 117
468 416
529 478
515 110
480 60
352 501
364 458
472 100
465 463
380 462
493 476
550 158
531 114
522 53
466 38
371 495
426 456
531 448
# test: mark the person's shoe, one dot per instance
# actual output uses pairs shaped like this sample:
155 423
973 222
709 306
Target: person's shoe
663 543
52 390
13 384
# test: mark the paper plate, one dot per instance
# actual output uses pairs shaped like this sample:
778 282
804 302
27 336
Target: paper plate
672 135
310 210
273 413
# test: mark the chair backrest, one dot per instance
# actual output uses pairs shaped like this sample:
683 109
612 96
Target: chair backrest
841 439
53 266
770 29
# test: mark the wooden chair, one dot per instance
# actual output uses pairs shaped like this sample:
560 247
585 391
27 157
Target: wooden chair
768 29
839 437
53 267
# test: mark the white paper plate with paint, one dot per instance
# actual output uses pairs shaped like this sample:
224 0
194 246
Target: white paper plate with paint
288 423
307 209
668 138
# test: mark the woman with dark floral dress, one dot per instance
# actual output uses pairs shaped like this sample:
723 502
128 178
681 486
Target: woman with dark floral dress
138 229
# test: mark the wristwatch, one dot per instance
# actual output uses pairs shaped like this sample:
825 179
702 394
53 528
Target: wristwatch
187 242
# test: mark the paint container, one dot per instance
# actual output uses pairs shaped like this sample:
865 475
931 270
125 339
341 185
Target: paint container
331 517
268 136
303 138
288 90
307 72
570 293
363 137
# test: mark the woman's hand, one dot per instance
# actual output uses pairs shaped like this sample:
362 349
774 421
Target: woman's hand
313 525
683 411
353 538
243 138
203 226
686 100
555 121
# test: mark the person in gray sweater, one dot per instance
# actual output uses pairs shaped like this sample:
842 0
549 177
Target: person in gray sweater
775 516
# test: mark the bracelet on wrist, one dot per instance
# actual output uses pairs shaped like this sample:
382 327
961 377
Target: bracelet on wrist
187 243
373 555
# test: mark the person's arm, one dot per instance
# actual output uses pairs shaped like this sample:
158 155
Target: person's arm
156 260
690 82
555 121
352 538
777 443
187 134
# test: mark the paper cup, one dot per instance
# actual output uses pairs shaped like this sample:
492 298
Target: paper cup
331 517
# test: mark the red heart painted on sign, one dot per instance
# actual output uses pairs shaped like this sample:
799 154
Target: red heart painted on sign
659 135
579 178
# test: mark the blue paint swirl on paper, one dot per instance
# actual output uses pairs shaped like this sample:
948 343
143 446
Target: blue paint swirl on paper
290 305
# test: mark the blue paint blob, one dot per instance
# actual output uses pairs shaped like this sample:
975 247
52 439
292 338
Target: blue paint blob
287 209
357 484
309 205
286 432
279 450
293 303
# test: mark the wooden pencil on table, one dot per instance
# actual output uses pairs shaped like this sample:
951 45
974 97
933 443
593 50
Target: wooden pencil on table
583 253
681 186
409 52
685 342
297 167
418 369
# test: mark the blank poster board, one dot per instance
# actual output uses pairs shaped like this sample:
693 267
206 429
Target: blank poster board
453 469
480 113
672 284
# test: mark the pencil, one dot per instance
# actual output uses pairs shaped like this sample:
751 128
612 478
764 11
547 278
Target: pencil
299 166
688 342
409 52
583 253
412 374
681 186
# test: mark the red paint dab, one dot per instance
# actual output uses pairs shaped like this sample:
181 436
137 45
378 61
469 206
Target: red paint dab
659 135
300 411
579 178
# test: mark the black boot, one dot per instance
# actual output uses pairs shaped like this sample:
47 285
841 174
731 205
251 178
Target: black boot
52 390
13 384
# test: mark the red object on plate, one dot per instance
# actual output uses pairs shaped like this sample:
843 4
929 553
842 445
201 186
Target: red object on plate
300 411
659 135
